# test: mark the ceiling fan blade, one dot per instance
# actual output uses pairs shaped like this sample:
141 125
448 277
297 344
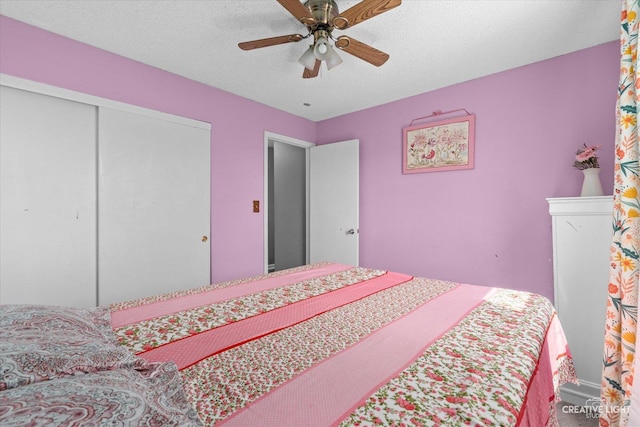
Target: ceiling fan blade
307 73
271 41
362 11
361 50
299 11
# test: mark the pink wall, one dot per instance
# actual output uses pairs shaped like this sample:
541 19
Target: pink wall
238 127
489 225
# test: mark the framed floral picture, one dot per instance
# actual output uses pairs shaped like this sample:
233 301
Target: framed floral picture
439 146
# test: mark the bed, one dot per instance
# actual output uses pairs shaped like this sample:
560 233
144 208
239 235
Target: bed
317 345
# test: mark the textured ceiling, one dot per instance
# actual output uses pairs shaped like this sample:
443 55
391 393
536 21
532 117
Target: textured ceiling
431 43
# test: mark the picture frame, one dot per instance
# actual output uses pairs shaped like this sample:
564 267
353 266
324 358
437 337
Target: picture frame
444 145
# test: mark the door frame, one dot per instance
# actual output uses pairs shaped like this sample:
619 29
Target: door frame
270 136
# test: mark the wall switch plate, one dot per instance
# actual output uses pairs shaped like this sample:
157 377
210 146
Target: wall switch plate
256 205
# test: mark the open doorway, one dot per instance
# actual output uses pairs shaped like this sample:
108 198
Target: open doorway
318 219
286 196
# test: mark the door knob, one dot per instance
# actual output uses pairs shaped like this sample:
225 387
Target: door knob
351 231
205 238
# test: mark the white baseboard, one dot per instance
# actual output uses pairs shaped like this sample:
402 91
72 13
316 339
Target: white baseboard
585 394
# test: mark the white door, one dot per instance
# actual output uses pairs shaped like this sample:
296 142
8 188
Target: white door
153 201
47 200
334 201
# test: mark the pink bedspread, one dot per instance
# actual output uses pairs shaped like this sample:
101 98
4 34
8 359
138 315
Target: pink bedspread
329 344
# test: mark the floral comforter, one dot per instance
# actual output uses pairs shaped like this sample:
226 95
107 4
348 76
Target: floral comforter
329 344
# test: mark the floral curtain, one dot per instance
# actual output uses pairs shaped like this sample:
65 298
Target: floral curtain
622 301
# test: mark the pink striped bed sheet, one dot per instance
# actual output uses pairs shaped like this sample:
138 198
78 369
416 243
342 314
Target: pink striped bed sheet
329 344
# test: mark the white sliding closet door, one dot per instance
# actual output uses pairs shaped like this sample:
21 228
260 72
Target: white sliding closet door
47 200
153 204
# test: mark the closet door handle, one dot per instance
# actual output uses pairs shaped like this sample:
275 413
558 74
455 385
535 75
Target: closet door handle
205 238
351 231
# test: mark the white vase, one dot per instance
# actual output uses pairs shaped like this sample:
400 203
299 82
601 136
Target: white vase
591 185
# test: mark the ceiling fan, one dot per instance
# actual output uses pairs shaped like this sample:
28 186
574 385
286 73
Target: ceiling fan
321 17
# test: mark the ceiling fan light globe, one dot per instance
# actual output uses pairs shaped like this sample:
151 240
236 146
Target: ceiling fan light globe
308 59
333 59
321 49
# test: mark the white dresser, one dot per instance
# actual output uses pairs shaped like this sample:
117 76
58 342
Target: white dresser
582 234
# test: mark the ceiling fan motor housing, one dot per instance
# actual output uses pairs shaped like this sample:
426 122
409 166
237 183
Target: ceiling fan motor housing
323 11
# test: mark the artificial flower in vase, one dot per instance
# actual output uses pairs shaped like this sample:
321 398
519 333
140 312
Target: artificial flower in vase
587 161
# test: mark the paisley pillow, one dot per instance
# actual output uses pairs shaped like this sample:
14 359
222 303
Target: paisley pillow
151 396
41 342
